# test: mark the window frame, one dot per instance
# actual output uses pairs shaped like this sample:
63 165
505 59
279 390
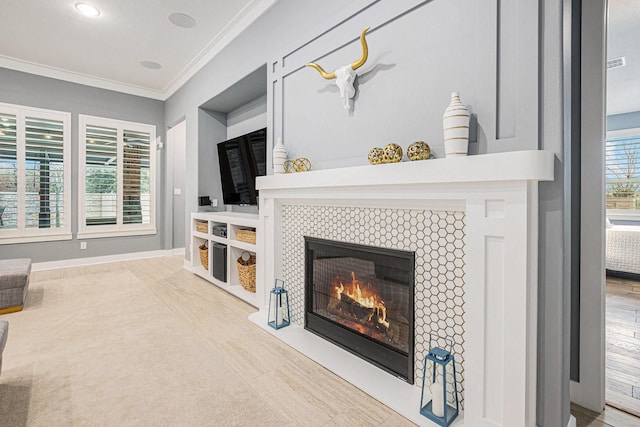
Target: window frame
119 229
22 234
621 214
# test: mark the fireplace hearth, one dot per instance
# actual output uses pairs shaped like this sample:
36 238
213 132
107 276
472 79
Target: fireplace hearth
361 298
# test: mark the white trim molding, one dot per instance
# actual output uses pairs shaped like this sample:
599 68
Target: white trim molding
499 196
81 262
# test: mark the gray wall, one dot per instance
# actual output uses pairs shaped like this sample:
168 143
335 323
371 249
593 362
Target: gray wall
285 22
623 121
491 54
251 116
41 92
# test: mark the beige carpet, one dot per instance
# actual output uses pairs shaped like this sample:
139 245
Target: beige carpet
136 346
117 354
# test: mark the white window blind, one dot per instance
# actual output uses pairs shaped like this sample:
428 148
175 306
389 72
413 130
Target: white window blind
117 183
44 169
35 174
623 170
101 178
136 162
8 172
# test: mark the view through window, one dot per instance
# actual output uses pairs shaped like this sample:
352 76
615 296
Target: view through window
623 171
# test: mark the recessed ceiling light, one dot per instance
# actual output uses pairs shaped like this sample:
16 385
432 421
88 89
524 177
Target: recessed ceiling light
182 20
150 65
87 9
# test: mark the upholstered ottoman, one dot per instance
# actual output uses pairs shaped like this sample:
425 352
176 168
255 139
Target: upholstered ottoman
4 330
14 282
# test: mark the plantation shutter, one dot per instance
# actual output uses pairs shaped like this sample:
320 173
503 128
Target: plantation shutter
8 172
623 172
136 182
44 173
101 176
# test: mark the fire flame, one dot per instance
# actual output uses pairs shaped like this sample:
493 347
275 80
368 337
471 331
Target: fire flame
364 295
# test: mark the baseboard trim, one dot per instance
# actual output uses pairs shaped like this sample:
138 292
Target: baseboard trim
623 275
572 421
81 262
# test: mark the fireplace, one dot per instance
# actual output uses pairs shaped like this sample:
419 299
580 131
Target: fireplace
361 298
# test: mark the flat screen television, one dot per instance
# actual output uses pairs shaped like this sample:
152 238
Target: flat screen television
242 159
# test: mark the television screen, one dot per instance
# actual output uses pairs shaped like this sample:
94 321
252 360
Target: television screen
241 160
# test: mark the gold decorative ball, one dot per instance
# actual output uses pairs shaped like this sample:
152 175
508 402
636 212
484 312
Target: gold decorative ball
376 156
419 150
289 166
392 153
302 164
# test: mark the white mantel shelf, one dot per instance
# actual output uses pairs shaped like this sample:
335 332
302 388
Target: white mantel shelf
533 165
498 194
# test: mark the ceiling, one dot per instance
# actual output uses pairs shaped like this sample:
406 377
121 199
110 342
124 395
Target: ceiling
51 38
623 84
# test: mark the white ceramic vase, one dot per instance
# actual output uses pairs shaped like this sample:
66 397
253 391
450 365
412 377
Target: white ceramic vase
455 123
279 156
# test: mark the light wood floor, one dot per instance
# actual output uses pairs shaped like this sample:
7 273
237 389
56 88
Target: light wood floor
622 371
623 345
610 417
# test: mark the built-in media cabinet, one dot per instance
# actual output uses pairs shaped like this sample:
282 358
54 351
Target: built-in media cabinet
218 231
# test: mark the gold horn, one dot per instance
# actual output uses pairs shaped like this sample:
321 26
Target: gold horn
365 51
322 72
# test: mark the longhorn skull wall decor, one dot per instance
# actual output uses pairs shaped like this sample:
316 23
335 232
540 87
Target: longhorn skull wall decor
345 76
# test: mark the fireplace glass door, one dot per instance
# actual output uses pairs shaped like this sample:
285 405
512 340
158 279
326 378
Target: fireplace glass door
361 298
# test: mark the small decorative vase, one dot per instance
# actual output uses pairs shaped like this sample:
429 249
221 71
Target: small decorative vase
419 150
455 123
279 156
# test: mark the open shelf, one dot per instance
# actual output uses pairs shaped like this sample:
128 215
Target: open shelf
232 222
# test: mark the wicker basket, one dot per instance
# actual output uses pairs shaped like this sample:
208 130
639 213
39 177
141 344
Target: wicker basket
204 255
247 273
247 236
202 227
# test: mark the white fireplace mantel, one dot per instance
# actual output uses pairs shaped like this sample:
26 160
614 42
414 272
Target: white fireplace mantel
499 195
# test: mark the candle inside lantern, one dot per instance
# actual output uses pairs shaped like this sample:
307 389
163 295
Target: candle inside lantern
437 399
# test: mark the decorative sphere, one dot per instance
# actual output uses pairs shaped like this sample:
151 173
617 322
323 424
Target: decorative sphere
376 156
419 150
289 166
392 153
302 164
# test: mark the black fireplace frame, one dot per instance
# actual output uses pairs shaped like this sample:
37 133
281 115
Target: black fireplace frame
390 359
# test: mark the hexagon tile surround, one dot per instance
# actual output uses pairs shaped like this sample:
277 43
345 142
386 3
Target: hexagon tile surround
436 237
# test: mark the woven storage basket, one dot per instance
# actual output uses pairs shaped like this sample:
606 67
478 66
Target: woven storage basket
204 256
202 227
248 236
247 273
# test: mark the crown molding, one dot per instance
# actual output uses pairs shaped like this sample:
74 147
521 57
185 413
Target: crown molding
80 78
237 25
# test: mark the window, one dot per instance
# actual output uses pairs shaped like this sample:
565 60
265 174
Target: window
623 174
116 178
35 175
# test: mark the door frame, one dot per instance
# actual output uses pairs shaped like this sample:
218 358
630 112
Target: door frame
587 388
